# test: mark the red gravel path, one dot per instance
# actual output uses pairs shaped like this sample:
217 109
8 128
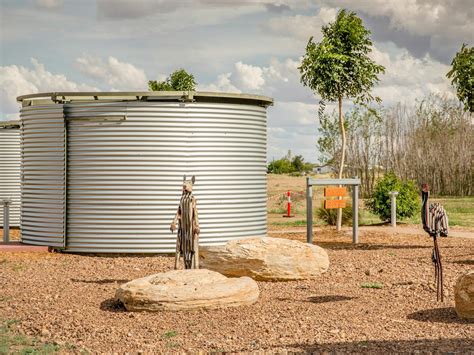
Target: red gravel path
68 299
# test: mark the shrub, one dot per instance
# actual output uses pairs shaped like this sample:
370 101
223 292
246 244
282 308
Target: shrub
408 202
330 216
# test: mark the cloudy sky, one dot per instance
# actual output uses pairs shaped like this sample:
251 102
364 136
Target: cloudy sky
250 46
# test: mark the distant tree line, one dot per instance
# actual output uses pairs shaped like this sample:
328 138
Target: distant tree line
431 141
289 164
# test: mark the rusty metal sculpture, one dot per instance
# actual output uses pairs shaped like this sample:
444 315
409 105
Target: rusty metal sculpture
435 223
187 240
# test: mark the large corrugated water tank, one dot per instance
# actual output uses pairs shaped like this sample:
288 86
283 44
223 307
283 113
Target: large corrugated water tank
103 172
10 170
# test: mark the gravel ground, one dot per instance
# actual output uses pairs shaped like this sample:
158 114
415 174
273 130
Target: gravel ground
68 300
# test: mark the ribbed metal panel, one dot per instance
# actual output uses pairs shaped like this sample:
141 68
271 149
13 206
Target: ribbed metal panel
10 172
43 175
124 175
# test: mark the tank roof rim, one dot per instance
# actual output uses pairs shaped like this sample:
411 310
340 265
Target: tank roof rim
147 96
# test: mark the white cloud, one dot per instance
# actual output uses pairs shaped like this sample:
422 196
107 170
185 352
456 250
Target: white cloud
292 125
116 74
408 78
249 77
18 80
222 84
49 4
280 80
293 122
301 27
442 25
142 8
422 17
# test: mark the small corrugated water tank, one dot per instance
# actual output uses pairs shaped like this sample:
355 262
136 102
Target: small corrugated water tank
10 170
102 172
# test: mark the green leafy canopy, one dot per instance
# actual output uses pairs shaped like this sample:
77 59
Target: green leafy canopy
462 75
339 65
179 80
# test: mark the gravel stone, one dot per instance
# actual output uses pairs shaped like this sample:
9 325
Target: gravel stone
293 316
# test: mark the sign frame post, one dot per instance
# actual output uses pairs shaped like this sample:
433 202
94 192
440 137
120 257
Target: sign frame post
354 182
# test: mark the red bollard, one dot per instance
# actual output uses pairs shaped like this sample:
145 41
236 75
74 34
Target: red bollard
288 210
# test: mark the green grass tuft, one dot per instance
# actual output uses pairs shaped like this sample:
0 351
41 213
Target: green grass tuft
170 334
371 285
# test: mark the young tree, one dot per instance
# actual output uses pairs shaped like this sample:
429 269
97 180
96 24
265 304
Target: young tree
179 80
462 75
339 67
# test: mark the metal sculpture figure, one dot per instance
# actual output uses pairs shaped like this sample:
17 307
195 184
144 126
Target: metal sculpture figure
187 240
435 223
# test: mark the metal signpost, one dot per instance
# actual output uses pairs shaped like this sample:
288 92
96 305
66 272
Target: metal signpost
6 220
354 182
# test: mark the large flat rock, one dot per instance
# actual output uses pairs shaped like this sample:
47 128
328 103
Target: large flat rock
187 289
266 259
464 295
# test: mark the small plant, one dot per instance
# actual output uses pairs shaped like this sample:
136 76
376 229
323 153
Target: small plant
330 215
18 267
11 342
408 202
170 334
371 285
172 344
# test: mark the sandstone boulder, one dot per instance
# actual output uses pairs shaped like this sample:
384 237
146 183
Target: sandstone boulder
464 295
266 259
186 290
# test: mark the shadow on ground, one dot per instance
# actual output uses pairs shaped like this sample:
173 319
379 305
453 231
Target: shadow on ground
112 305
319 299
464 262
101 282
438 315
329 298
364 246
461 345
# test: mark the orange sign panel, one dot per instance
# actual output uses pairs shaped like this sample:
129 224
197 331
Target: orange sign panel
335 191
328 204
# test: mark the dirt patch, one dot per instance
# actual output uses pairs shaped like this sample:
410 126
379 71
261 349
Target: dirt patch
68 299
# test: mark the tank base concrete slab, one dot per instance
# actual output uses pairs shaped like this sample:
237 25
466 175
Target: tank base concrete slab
20 247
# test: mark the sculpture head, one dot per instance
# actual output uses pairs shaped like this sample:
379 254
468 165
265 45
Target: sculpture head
188 184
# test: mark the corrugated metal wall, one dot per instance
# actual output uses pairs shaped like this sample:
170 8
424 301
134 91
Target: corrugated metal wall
10 172
125 175
43 180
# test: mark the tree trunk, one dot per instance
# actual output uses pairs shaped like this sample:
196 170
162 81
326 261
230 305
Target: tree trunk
343 155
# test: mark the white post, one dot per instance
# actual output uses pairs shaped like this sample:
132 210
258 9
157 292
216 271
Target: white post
393 207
